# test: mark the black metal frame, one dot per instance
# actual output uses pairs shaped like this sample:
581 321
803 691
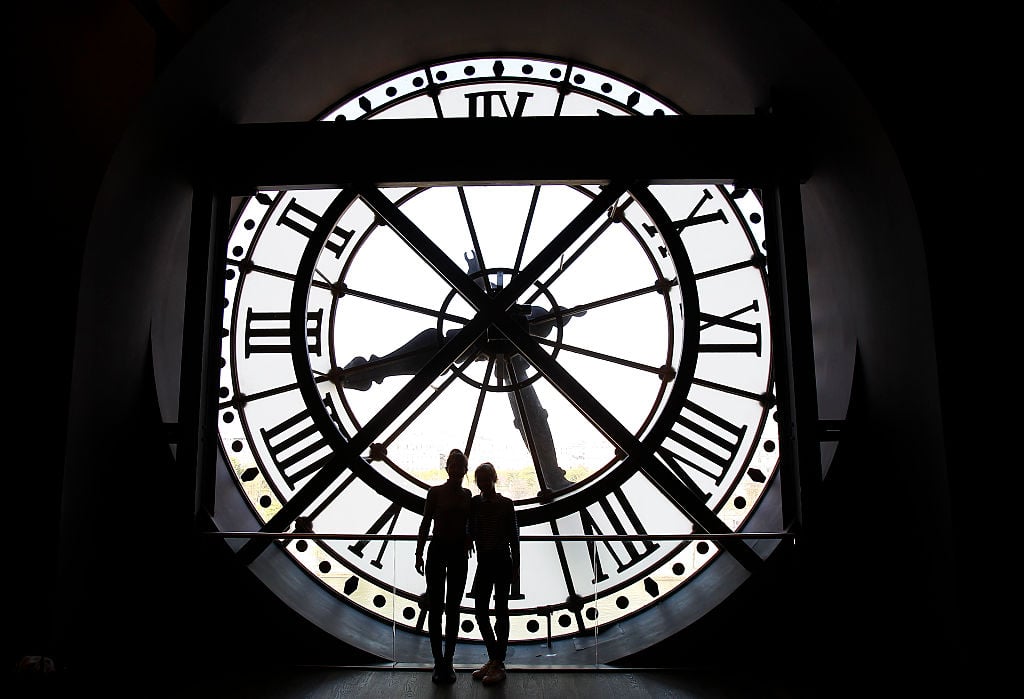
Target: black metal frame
756 151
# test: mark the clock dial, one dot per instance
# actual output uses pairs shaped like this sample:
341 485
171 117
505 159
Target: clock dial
606 346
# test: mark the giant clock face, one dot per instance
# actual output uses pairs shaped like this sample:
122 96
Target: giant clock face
607 347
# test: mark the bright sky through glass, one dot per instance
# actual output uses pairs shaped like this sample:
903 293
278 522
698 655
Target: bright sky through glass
633 329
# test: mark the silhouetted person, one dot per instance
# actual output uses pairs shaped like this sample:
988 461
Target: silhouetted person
495 531
447 565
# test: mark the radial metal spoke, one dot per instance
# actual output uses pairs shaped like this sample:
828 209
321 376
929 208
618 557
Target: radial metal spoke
600 355
395 303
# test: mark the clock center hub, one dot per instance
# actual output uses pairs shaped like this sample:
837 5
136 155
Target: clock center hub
494 341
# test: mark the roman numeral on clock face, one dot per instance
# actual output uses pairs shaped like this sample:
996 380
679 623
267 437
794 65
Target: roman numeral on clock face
698 216
701 447
297 448
388 519
622 520
482 104
304 221
746 336
268 331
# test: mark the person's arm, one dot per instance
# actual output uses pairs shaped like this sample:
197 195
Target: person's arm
421 536
471 524
513 537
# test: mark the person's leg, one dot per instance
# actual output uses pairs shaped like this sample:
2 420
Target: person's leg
482 592
502 586
435 574
458 568
502 568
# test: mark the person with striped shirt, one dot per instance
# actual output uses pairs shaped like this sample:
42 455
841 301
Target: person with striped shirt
495 533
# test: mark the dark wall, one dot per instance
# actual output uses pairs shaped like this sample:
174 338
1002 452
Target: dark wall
81 71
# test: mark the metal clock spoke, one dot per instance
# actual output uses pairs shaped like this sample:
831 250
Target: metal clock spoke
766 399
621 361
563 241
526 227
479 255
424 247
613 214
481 396
661 287
241 399
396 303
431 398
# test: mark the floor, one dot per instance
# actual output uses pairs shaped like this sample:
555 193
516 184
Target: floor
391 682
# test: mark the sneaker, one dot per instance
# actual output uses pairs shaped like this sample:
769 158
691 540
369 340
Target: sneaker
448 675
495 675
480 673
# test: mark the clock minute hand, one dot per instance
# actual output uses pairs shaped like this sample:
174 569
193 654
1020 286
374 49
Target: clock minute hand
535 430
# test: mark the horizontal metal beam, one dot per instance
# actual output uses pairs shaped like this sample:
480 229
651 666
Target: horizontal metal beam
746 150
530 537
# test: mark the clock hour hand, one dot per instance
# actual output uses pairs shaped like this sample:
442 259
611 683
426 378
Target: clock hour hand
541 321
360 373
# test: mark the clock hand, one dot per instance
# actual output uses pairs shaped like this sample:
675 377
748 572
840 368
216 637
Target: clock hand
535 430
360 373
541 321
